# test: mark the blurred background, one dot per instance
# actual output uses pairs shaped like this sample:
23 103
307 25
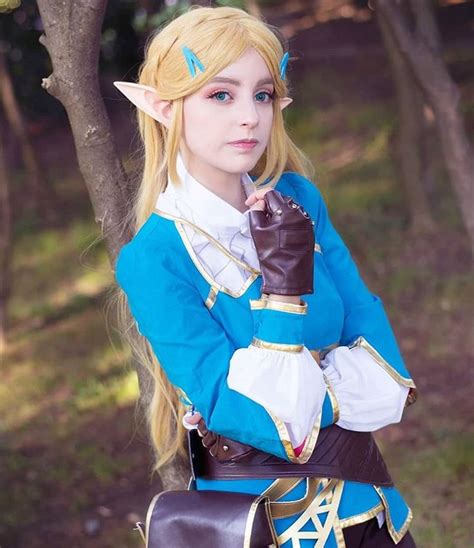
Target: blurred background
74 456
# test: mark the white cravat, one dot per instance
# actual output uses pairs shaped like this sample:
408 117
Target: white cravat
196 203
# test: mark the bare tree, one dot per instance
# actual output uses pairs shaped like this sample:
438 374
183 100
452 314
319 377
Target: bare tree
442 94
39 194
72 32
5 247
411 132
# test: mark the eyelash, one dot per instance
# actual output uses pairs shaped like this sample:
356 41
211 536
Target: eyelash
271 96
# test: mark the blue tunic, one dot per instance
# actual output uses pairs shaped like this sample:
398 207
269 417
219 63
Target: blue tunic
194 326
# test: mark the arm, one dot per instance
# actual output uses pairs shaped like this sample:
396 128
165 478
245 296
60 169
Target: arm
279 372
367 332
193 348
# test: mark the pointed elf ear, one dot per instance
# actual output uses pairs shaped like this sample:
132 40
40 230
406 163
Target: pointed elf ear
285 101
143 97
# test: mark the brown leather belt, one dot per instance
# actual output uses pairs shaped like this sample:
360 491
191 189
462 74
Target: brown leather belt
338 453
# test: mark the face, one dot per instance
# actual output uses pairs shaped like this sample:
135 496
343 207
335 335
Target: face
236 104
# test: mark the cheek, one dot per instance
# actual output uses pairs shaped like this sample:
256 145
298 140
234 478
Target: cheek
267 121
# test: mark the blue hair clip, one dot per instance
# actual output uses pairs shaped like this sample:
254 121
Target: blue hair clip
283 64
192 61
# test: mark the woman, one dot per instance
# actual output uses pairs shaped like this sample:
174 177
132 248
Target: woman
261 332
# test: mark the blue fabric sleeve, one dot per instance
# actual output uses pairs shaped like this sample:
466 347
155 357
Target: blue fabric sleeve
365 321
192 348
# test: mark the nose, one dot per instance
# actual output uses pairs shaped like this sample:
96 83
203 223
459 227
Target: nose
248 113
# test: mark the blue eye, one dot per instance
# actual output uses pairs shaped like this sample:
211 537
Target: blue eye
219 96
269 95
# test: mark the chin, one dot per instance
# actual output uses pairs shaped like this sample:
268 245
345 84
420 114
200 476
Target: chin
243 162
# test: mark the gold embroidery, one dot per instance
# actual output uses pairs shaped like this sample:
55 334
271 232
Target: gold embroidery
216 242
280 487
361 342
309 444
326 502
179 221
396 536
341 543
251 517
289 508
265 302
206 276
360 518
333 399
257 304
284 347
211 298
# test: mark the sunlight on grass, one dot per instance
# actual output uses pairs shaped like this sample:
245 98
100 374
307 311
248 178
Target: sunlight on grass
96 393
54 267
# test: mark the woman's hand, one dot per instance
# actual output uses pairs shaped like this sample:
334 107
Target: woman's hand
284 239
193 419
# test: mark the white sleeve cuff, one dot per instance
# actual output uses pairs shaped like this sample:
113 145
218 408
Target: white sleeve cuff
368 397
290 384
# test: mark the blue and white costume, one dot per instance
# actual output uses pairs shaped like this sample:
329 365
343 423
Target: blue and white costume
192 279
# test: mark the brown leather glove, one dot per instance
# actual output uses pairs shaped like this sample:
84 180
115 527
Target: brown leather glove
284 239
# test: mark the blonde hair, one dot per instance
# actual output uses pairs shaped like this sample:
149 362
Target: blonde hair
206 32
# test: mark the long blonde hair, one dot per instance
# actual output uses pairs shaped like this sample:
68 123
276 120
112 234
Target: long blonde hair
218 36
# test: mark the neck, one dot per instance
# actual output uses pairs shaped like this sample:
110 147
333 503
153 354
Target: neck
227 186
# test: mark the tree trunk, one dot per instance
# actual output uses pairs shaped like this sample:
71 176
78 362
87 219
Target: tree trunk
443 95
5 248
72 38
428 31
410 105
38 195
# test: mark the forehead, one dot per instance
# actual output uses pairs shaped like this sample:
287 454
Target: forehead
249 67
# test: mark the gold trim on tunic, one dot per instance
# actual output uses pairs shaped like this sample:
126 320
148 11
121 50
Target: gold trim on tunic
211 297
257 304
251 518
284 347
309 444
325 502
361 342
396 535
179 222
333 400
360 518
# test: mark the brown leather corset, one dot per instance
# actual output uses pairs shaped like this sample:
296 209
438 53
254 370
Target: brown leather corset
338 453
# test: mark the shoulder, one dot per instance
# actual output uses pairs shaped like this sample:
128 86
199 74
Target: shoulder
150 253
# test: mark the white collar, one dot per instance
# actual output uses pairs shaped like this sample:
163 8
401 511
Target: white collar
202 205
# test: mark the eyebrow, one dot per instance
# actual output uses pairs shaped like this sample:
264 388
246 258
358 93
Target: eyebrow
226 80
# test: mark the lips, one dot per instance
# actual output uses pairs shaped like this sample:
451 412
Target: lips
248 141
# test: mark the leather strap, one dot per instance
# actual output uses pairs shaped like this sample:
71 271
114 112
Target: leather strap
338 453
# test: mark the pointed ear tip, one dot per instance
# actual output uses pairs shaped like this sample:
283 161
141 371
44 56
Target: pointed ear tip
119 84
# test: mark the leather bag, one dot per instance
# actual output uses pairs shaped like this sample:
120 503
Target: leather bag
208 519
